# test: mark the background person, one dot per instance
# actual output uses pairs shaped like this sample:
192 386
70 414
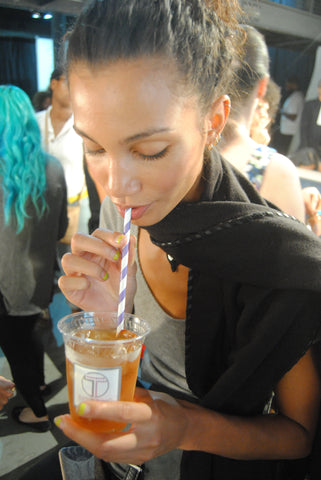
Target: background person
228 327
265 113
60 140
290 115
33 217
58 136
273 174
308 154
41 100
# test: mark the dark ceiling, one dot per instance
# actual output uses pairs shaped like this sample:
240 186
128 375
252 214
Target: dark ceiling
17 9
68 7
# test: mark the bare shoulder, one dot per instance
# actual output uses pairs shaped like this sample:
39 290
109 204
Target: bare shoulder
281 185
281 165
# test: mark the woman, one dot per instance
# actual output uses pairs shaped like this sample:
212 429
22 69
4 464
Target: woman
33 217
265 113
229 329
273 174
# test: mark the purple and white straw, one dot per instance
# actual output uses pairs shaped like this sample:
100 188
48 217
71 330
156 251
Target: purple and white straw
123 272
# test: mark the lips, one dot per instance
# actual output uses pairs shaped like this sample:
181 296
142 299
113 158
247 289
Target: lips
137 212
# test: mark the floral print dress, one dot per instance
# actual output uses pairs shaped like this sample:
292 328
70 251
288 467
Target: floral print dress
257 164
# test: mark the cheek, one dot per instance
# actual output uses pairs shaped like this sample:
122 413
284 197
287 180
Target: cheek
180 176
98 172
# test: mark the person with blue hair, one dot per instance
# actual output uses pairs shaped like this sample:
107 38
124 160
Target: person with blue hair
33 216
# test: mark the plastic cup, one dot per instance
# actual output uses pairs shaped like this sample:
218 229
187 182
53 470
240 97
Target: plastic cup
101 365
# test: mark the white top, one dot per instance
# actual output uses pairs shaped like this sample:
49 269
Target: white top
163 362
67 147
292 105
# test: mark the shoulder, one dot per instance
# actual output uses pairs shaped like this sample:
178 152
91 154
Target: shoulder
54 169
281 165
299 96
40 116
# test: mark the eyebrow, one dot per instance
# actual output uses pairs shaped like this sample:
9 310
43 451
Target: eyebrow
132 138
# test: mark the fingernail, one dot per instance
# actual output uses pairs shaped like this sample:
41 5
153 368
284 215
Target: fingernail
119 239
105 276
82 409
116 256
57 421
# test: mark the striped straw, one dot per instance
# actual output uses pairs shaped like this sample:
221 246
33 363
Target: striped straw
123 273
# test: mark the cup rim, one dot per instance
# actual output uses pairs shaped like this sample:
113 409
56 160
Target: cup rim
92 341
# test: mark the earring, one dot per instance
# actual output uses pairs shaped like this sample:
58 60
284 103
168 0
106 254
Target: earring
217 138
210 146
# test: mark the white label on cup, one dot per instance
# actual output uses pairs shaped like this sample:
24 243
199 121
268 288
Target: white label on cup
96 383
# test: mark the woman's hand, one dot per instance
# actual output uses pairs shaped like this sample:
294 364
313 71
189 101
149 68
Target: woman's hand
93 271
312 203
6 390
312 200
158 425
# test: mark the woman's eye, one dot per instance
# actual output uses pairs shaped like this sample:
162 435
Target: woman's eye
88 151
155 156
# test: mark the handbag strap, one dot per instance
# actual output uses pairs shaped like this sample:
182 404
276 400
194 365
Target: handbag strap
133 472
119 471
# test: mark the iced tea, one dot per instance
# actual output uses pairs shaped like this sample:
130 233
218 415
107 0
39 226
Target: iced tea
101 365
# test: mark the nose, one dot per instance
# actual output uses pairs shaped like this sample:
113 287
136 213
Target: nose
122 178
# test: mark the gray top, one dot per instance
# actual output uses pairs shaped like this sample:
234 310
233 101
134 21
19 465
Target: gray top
164 358
27 259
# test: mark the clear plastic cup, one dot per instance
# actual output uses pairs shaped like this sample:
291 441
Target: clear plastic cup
100 364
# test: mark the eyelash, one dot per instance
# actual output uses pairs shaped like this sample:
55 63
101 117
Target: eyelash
94 152
157 156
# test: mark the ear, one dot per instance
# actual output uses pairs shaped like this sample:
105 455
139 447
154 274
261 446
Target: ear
53 84
262 86
216 119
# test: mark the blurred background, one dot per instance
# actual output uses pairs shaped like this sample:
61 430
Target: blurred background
31 32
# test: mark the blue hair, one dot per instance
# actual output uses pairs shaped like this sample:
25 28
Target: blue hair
22 159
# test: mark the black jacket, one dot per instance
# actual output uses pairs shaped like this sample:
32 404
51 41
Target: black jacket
254 304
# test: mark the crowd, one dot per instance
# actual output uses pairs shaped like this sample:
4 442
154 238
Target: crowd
167 108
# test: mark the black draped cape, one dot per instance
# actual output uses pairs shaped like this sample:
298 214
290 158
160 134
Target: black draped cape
254 304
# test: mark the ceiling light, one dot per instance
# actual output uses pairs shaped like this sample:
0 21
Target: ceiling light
36 15
47 16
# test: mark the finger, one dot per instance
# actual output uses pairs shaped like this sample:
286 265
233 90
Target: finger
125 412
77 266
87 438
6 384
105 247
118 240
71 283
109 447
132 250
149 396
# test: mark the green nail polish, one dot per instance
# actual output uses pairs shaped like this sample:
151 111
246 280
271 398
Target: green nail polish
81 409
119 239
116 256
105 276
57 421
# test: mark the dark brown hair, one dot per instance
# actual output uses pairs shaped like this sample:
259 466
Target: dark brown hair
198 35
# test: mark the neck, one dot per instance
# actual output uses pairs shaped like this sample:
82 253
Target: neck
59 115
239 148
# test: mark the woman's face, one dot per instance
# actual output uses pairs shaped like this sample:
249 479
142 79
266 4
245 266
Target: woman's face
143 141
